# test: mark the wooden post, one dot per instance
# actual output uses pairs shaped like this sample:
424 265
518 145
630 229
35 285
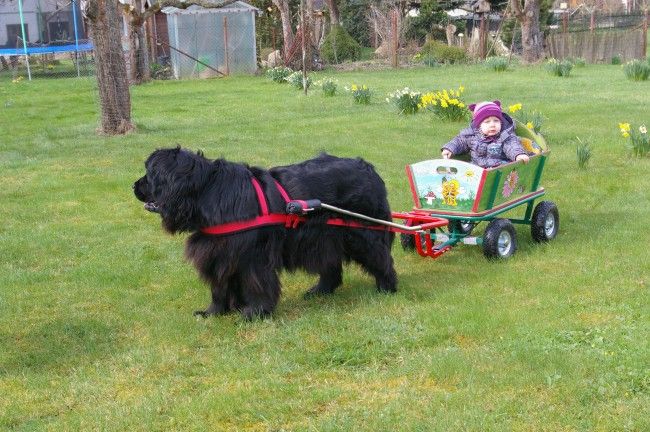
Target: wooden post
565 27
645 31
225 44
395 44
482 39
303 36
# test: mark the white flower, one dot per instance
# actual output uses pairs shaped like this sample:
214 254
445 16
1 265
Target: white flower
643 129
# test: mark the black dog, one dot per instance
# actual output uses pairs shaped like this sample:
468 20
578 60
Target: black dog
191 192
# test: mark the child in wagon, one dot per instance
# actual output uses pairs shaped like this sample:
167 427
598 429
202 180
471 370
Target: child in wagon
490 139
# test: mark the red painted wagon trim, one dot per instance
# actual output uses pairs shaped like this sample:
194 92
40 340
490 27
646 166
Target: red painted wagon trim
414 191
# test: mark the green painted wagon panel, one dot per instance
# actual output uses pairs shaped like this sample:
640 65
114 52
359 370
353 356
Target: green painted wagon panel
510 182
456 187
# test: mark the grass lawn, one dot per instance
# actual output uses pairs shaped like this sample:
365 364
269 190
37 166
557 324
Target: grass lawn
96 325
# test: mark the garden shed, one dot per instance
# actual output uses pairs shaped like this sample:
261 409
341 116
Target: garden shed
203 41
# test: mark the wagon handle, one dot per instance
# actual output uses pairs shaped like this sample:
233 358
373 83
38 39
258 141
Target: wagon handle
305 206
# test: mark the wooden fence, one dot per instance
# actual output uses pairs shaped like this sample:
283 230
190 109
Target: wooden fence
597 46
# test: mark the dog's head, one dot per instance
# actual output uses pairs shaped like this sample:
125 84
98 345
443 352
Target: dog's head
171 186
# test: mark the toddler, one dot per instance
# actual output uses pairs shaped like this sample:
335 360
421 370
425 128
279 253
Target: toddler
490 139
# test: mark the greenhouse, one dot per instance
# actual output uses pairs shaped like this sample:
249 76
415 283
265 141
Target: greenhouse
208 42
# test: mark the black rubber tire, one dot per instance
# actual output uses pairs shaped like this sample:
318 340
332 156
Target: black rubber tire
461 226
407 241
545 222
499 239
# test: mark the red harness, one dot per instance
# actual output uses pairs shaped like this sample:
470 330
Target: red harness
266 218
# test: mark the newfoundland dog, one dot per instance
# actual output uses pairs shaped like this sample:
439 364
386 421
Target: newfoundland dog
194 194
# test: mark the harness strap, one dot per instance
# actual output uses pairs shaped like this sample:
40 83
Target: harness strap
260 196
282 191
288 220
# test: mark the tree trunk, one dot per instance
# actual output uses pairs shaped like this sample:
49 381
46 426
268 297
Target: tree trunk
335 16
285 16
138 46
531 37
115 101
138 54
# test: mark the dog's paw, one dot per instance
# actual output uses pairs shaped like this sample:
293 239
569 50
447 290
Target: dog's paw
213 309
202 313
317 290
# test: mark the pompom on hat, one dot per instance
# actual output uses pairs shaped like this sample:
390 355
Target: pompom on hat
482 110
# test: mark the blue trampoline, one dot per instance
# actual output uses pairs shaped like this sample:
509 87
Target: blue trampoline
47 49
64 42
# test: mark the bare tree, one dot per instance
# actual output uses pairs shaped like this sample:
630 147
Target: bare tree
136 16
335 16
285 16
104 21
531 37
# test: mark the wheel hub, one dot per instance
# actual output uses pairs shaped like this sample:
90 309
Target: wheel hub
549 225
505 243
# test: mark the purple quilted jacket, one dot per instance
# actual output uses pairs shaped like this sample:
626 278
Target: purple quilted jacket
488 152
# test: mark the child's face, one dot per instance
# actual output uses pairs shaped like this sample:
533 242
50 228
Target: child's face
491 126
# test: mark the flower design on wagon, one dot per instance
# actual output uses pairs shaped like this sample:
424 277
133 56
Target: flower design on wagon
510 185
450 190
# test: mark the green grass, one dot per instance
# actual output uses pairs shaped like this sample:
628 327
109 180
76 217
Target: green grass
96 330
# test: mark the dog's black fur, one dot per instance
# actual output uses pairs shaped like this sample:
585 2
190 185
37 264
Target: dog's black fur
191 192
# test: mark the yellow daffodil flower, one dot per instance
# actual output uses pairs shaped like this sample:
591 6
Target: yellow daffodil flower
530 125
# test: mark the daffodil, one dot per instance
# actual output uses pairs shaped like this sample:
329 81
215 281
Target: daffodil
643 129
354 87
514 108
624 127
626 135
530 125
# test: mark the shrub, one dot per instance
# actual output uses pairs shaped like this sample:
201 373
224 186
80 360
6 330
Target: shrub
361 94
583 152
279 74
446 104
532 120
497 64
639 140
443 53
339 46
579 62
328 85
616 60
295 79
559 68
637 70
160 71
405 100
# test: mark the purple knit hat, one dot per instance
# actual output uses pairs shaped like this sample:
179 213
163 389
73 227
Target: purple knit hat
483 110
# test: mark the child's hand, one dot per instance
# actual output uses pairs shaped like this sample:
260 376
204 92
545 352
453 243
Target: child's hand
446 154
523 157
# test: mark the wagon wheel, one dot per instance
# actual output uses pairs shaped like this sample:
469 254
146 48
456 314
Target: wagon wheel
408 241
500 239
461 227
545 222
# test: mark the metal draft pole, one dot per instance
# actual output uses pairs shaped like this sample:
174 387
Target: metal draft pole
22 28
76 35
